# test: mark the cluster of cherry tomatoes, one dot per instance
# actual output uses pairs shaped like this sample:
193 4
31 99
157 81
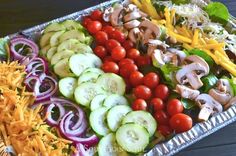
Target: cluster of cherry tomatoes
120 57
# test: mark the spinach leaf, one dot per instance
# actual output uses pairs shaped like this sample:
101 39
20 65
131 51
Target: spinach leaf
217 12
3 49
203 55
209 82
178 2
188 104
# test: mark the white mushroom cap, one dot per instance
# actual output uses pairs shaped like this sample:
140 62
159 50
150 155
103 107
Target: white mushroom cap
132 24
157 58
107 13
180 53
115 16
197 59
187 92
134 34
148 25
132 16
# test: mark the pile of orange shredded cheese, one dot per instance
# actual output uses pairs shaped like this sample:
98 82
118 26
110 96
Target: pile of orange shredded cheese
22 127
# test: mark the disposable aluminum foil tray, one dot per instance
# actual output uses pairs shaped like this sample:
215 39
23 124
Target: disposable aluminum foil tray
178 142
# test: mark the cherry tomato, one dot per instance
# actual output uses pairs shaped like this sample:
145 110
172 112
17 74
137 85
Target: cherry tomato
136 78
164 130
139 104
174 106
125 61
100 51
143 61
108 59
94 26
128 44
142 92
126 70
86 21
96 15
133 53
181 123
101 37
157 104
118 35
162 92
161 117
110 44
108 29
110 67
118 53
151 80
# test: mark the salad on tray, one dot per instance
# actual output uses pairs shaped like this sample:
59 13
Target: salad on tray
122 80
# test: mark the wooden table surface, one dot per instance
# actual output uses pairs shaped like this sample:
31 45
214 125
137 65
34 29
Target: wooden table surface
17 15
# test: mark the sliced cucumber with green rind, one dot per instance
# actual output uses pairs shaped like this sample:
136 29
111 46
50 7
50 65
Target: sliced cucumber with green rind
72 34
132 137
85 93
142 118
97 101
45 39
112 83
88 77
97 62
68 44
93 70
62 68
88 40
61 55
54 40
44 50
115 99
71 24
53 27
67 86
115 116
51 52
82 48
97 121
108 146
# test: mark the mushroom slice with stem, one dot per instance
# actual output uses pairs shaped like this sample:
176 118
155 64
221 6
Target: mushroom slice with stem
132 16
197 59
223 91
230 103
134 34
208 106
132 24
180 53
115 18
107 13
187 92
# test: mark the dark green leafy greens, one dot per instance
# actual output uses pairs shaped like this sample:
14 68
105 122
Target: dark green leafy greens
208 82
3 49
178 2
217 12
203 55
188 104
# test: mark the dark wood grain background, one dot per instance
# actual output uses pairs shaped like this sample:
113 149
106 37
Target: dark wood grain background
16 15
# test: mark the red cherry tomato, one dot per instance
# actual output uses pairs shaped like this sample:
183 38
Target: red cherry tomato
94 26
108 59
96 15
101 37
181 123
86 21
174 106
139 104
118 35
126 70
110 44
162 92
133 53
118 53
128 44
151 80
136 78
143 60
100 51
108 29
142 92
110 67
164 130
161 117
125 61
157 104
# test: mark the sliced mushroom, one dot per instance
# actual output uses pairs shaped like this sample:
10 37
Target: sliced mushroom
208 105
107 13
158 44
132 16
230 103
197 59
132 24
134 34
131 7
115 16
180 53
187 92
157 58
223 92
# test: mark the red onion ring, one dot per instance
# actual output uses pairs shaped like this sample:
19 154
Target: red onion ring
49 109
83 151
90 141
30 82
37 66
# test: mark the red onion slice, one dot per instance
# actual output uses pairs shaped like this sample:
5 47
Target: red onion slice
89 141
37 66
83 150
49 111
30 82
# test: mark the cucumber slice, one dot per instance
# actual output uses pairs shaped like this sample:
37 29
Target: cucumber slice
85 93
78 63
68 44
97 121
44 50
88 77
62 69
67 86
72 34
112 83
115 116
88 40
71 24
54 40
108 146
96 60
97 101
115 99
93 70
132 138
83 48
61 55
54 27
142 118
45 39
51 52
